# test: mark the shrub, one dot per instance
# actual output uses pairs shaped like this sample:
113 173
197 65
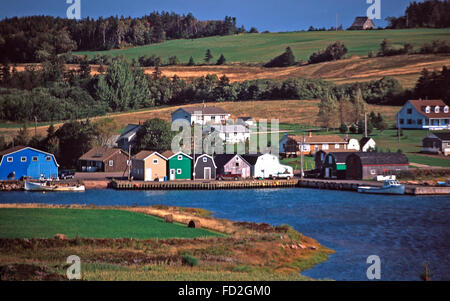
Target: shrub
189 260
333 52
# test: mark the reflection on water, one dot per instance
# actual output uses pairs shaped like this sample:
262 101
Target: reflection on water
403 231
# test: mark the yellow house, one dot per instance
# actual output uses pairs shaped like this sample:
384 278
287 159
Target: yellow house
149 166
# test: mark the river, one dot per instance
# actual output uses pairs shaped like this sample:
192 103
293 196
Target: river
404 231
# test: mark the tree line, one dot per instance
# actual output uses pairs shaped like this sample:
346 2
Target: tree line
36 38
430 13
52 93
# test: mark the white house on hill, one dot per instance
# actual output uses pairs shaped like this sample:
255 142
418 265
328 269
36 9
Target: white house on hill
201 115
231 133
424 114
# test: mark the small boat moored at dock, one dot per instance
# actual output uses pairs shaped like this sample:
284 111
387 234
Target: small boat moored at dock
46 186
444 184
389 187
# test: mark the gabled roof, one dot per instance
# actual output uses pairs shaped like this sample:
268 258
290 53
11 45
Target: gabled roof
130 130
375 158
12 150
340 157
179 153
100 153
223 159
420 106
330 139
364 141
144 154
443 136
21 147
251 159
205 155
360 21
204 110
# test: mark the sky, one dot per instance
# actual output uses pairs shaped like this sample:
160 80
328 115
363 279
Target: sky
272 15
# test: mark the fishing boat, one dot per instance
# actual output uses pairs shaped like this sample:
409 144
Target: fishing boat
445 184
389 187
45 186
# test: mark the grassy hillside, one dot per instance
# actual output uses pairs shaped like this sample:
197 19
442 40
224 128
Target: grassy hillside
44 222
257 48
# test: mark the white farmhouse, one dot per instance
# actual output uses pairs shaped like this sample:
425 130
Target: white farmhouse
201 115
268 166
424 114
231 133
353 145
367 144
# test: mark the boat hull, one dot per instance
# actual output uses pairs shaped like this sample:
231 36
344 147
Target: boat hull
383 190
32 186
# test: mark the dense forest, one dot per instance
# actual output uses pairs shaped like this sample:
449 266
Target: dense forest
431 13
36 38
52 93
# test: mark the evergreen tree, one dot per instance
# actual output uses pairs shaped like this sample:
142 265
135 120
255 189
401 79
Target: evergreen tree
191 61
343 129
284 60
221 60
208 56
327 116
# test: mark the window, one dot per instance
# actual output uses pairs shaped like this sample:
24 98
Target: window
436 109
180 157
205 159
34 159
237 164
409 121
10 159
427 110
325 146
330 160
402 121
48 158
23 159
111 163
446 109
179 171
155 161
336 146
419 121
409 111
373 171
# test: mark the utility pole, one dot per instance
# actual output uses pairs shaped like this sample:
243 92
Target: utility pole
398 127
301 157
336 22
365 124
35 126
129 162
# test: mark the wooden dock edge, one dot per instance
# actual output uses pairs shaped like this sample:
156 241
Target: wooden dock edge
342 185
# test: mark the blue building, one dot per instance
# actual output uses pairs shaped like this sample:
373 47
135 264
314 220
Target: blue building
22 161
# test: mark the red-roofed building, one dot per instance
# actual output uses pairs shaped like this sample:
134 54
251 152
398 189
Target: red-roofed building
424 114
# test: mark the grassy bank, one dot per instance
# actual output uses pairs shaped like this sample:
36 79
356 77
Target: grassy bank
45 223
257 48
243 251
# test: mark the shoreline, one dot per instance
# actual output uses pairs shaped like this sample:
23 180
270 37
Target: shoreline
326 184
247 251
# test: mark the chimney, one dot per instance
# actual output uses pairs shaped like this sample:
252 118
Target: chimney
310 134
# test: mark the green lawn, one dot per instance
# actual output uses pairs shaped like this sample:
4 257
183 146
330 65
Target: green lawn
257 48
90 223
309 163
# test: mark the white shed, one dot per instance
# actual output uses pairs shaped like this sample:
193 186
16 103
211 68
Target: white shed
268 166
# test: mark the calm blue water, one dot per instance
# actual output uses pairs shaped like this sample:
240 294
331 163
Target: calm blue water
403 231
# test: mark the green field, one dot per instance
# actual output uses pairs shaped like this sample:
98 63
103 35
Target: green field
257 48
90 223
